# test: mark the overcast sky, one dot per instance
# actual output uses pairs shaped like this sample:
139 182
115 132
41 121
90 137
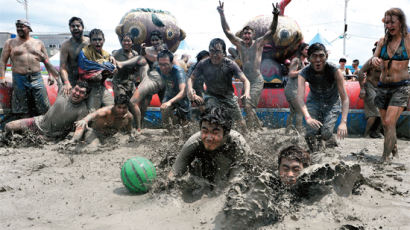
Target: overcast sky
200 19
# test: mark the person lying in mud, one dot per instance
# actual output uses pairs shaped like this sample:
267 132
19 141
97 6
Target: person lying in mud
215 154
322 106
105 122
59 119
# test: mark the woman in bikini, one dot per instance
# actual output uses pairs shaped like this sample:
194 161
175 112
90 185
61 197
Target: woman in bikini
392 56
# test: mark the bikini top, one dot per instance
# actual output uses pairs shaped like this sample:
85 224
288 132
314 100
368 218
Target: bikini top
399 55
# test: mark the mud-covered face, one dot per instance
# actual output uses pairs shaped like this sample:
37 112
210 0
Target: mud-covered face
289 170
120 110
216 54
212 136
97 41
78 94
76 29
247 36
164 65
156 41
22 30
392 24
318 60
126 43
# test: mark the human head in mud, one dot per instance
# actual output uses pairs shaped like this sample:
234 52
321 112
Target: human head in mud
126 42
247 34
76 27
121 102
165 59
80 92
215 124
291 161
156 38
317 56
217 50
97 39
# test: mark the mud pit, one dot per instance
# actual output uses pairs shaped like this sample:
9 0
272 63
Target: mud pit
59 186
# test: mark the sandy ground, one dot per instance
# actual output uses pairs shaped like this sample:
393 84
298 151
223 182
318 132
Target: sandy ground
53 187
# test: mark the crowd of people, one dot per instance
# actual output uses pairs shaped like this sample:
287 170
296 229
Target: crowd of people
84 104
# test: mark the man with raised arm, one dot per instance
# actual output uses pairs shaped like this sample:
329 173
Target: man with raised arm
69 53
250 53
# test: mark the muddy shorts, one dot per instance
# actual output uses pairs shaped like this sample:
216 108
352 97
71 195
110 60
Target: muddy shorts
98 97
29 94
230 104
255 93
124 88
326 113
370 109
392 95
150 85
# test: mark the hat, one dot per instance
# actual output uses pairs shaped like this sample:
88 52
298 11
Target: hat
342 60
24 22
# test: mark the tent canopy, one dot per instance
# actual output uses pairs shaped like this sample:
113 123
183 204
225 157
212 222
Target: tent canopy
319 38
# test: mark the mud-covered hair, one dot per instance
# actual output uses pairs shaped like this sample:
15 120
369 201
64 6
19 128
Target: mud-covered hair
127 35
402 19
96 32
75 19
296 153
121 99
316 47
84 84
248 28
201 55
166 53
219 116
216 41
155 33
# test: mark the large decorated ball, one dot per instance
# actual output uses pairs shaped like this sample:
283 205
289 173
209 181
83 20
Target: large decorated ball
138 174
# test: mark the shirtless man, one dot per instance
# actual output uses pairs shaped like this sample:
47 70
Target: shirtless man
369 77
59 119
26 53
105 122
69 53
217 72
250 53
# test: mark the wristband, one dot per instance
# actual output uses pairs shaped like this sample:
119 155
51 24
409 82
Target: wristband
307 117
66 82
46 61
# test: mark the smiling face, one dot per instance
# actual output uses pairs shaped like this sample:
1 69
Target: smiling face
289 170
212 135
78 94
392 24
156 41
97 41
318 60
126 43
76 29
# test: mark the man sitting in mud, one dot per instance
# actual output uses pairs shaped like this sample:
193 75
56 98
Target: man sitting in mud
213 155
322 108
250 53
217 72
105 122
59 119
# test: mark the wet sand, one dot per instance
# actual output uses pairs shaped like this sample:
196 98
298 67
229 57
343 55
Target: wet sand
56 186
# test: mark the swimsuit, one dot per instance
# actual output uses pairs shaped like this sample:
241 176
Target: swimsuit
399 55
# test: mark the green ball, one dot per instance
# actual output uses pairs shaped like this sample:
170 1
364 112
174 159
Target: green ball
138 174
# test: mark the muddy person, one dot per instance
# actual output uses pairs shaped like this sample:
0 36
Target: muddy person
69 53
369 77
198 84
217 72
215 154
104 123
291 88
94 66
322 108
252 203
59 119
250 54
29 96
151 52
392 57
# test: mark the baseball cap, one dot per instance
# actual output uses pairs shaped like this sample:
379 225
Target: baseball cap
24 22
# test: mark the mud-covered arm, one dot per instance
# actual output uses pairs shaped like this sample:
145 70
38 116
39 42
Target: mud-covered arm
50 68
342 129
268 35
187 155
5 55
234 39
293 68
63 68
362 71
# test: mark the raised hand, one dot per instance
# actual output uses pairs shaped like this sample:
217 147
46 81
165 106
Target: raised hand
220 8
276 10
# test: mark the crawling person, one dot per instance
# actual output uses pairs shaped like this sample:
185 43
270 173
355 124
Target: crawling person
59 119
215 155
105 122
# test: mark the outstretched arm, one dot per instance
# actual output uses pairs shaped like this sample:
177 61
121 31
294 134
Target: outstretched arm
302 106
265 38
235 40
